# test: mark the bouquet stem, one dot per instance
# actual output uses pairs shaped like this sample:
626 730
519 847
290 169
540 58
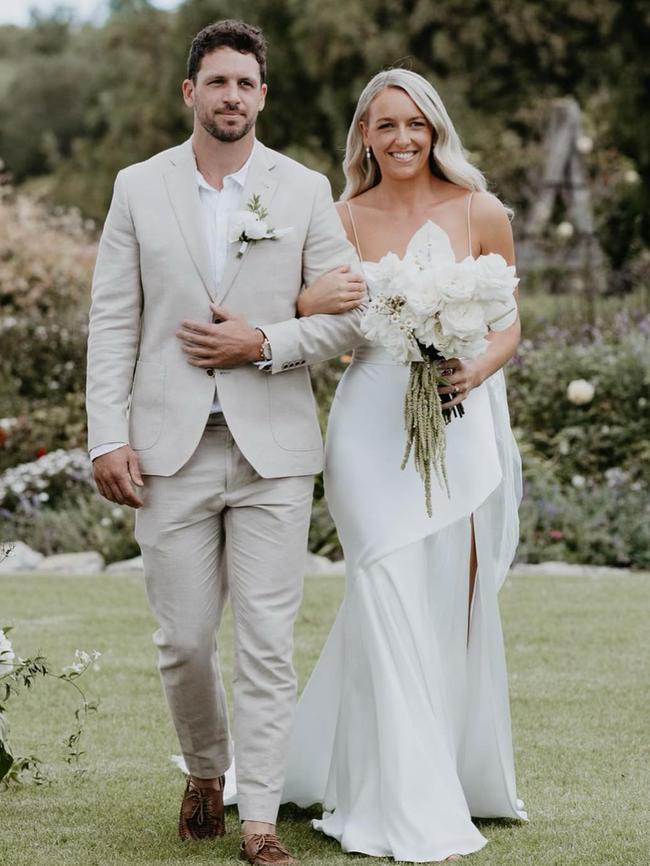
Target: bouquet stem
425 426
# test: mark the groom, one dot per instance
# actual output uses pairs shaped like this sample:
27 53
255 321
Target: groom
216 454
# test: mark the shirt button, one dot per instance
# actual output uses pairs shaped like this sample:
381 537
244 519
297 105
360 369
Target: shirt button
210 371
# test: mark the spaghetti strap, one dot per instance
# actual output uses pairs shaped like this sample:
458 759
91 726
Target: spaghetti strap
354 229
469 222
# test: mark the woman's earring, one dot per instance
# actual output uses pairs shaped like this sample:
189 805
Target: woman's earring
368 154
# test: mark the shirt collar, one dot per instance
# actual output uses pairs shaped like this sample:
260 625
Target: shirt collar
238 177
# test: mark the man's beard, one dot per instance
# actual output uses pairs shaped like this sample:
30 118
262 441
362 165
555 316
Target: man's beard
228 134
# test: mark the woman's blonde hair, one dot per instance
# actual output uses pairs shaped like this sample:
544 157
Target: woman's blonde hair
447 159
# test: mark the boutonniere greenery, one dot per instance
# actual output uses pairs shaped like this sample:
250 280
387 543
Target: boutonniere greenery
248 226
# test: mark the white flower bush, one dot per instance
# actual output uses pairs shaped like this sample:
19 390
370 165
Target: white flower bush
29 485
579 392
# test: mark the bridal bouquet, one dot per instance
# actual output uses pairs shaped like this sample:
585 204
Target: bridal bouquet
430 307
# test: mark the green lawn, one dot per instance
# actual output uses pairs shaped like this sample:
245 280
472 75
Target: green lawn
578 660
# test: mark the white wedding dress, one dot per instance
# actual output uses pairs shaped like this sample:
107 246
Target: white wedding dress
403 730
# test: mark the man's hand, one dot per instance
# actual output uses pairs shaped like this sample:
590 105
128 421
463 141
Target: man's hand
115 475
227 342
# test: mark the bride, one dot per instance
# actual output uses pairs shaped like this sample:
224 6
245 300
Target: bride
403 730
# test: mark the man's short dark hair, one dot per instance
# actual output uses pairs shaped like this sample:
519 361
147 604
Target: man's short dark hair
232 34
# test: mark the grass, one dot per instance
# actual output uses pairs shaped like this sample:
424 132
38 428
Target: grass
577 650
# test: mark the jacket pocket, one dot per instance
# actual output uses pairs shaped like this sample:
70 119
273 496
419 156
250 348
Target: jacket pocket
292 411
147 405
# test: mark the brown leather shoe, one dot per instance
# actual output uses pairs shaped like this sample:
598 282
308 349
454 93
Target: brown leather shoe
262 849
201 812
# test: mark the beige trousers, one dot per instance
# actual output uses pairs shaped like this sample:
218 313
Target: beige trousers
213 528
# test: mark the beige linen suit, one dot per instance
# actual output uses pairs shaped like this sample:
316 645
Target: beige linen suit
226 505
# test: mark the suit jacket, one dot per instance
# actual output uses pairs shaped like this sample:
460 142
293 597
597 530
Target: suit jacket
153 270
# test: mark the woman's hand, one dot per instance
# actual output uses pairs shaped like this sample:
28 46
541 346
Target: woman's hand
460 377
337 291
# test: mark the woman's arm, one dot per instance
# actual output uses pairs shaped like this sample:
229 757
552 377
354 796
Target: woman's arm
491 228
337 291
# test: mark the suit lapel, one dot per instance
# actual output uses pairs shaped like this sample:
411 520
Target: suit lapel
259 181
184 194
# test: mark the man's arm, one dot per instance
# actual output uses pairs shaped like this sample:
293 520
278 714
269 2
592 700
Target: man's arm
310 339
113 337
114 326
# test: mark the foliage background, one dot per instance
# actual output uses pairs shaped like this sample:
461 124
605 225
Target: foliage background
80 101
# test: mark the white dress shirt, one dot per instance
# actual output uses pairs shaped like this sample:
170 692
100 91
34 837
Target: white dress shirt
216 206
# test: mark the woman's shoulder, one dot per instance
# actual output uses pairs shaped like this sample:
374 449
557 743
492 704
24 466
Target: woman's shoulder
487 208
490 222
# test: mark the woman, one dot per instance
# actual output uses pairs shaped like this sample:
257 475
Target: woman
403 730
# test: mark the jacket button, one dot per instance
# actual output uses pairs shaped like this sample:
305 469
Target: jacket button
210 371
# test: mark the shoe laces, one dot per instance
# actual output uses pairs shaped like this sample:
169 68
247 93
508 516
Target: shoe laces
200 804
264 839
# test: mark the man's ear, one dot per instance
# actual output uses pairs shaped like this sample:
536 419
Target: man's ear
187 89
264 89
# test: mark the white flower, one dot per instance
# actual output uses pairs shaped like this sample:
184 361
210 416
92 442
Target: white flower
423 296
457 282
7 655
246 225
464 319
106 521
584 144
564 230
383 325
496 280
631 177
578 481
579 391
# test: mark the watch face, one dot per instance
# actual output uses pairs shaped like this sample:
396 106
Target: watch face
266 349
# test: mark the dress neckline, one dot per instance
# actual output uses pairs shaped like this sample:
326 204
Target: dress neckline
426 222
401 258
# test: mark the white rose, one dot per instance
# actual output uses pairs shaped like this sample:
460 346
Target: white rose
384 272
423 295
631 177
246 223
405 278
580 392
453 346
496 280
464 319
7 655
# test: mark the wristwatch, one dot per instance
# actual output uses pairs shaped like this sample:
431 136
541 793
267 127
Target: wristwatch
265 348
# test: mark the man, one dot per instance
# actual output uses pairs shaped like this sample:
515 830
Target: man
221 476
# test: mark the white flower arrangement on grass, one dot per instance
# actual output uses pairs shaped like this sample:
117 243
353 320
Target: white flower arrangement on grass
430 307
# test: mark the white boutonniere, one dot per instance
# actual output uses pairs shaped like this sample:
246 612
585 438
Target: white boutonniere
248 226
